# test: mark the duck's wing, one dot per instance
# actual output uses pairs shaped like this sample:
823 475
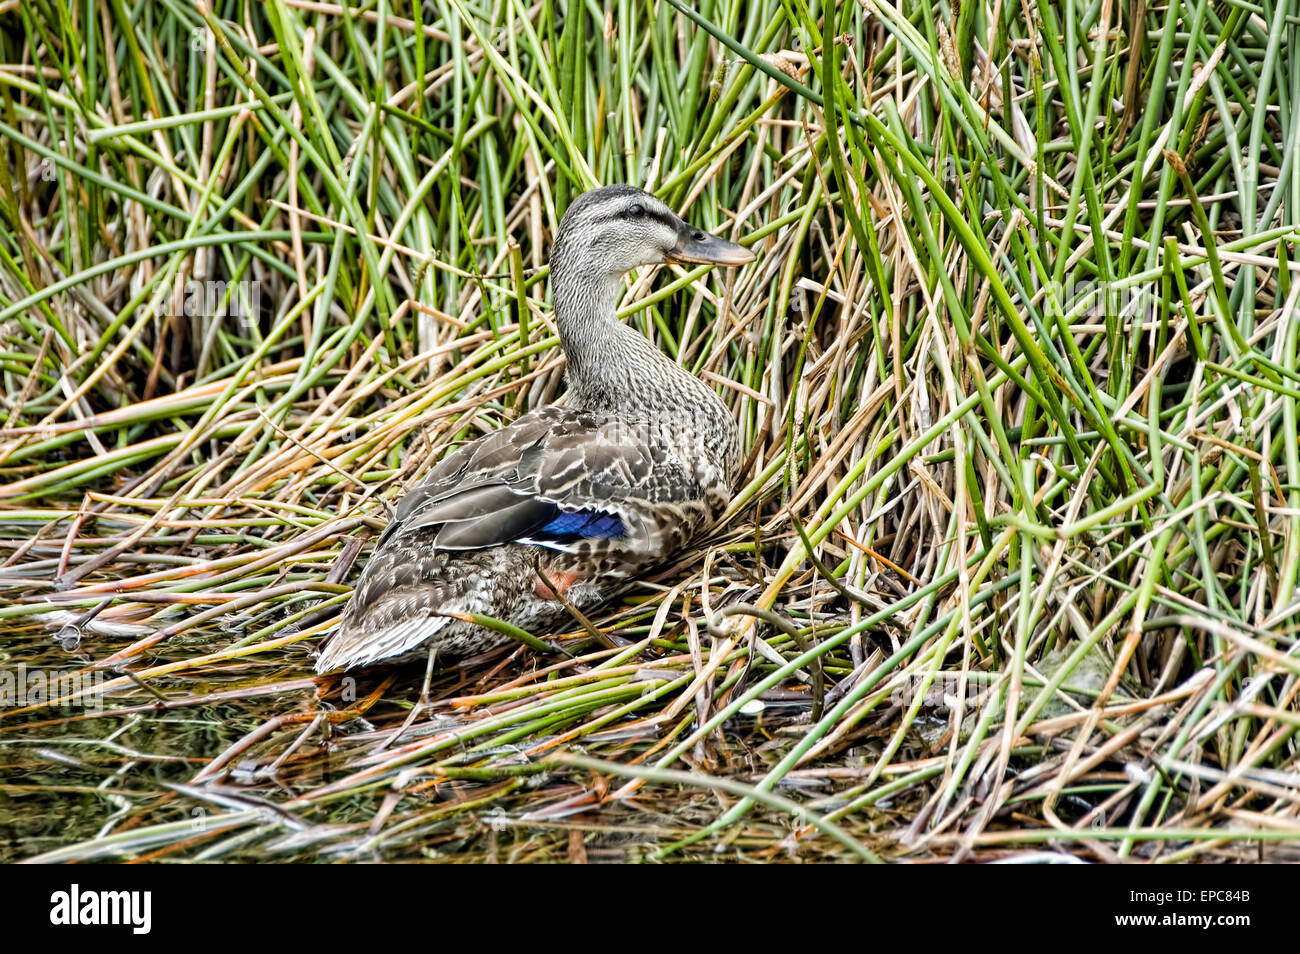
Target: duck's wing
622 494
567 480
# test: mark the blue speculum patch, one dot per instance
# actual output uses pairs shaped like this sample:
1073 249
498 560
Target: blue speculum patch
586 523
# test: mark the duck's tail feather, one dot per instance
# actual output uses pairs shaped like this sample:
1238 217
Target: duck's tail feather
403 598
349 648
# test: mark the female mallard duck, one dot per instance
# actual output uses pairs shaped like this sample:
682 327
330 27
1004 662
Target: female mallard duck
639 458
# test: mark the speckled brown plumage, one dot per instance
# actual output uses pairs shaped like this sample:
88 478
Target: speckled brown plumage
639 458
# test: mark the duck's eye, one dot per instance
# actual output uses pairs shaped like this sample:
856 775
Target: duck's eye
635 211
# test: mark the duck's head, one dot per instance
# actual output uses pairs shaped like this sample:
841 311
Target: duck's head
613 229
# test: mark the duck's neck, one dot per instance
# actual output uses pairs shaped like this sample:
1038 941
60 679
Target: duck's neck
585 301
610 367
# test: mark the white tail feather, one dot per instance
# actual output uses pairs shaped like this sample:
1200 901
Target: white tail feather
343 652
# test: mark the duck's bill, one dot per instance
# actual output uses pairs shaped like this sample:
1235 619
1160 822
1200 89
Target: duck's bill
695 247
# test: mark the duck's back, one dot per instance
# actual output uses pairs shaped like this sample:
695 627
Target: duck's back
584 497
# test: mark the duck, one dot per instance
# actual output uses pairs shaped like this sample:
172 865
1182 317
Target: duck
557 510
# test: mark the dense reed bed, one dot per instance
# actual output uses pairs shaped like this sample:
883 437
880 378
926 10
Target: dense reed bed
1014 564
